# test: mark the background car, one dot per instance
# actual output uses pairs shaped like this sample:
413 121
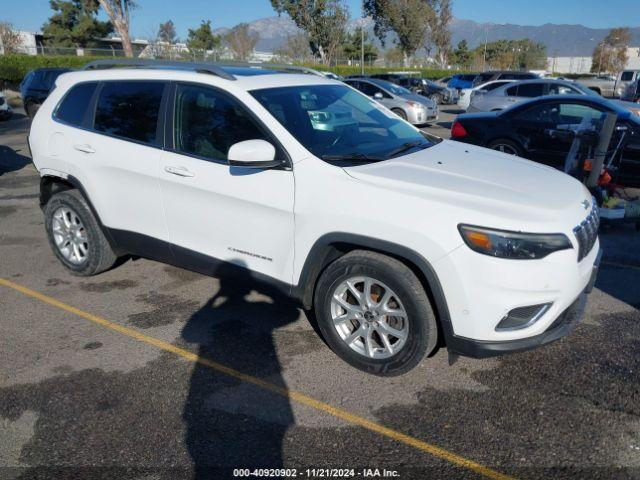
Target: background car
485 77
508 95
467 93
414 108
422 86
5 109
462 80
541 130
36 86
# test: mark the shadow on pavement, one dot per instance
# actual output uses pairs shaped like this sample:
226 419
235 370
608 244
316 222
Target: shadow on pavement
232 424
11 160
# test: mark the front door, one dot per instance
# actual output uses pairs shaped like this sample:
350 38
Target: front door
239 215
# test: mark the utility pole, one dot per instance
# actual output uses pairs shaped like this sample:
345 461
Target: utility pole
484 57
362 40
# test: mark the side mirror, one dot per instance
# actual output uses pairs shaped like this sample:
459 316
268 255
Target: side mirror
378 96
253 154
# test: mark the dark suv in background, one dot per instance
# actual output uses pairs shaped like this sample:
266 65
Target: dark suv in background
421 86
36 86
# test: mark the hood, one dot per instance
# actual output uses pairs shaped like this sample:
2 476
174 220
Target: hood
475 178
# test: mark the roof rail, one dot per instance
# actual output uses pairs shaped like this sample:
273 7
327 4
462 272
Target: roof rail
209 68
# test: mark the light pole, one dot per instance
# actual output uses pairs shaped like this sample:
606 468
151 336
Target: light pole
362 40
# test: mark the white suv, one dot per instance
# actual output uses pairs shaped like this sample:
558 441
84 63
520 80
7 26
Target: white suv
399 241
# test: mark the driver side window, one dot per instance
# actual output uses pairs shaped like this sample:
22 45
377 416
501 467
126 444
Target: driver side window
207 122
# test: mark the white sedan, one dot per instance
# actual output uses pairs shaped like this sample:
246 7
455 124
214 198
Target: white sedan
467 93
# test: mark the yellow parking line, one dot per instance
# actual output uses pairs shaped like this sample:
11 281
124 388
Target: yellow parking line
293 395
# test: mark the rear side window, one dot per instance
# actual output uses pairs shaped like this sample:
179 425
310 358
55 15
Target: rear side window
531 90
75 103
493 86
129 110
626 76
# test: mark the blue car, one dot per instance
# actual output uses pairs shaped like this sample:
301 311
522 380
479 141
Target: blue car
462 81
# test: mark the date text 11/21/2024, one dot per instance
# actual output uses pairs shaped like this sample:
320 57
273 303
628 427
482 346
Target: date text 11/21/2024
316 473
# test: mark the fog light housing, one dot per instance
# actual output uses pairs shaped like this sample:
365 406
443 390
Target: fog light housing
522 317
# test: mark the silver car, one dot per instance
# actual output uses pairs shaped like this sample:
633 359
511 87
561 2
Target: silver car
416 109
510 94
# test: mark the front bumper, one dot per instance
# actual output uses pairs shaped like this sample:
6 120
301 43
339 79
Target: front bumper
561 327
482 298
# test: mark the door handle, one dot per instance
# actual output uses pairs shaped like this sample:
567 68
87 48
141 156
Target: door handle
180 171
84 148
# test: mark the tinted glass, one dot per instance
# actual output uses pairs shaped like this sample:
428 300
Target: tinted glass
75 103
531 90
368 89
626 76
129 110
339 125
493 86
512 92
560 89
207 122
563 113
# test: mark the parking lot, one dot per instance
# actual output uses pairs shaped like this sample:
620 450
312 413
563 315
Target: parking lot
149 371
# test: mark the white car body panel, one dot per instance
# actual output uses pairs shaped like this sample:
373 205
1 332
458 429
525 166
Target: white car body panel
269 220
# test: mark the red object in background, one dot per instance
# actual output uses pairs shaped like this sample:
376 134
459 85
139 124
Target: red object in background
457 130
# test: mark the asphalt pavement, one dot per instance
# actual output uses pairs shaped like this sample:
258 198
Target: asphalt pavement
148 371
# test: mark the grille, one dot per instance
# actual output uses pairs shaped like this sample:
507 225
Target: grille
587 232
522 317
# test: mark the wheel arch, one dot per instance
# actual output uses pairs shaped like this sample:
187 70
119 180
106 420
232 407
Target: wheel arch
51 184
332 246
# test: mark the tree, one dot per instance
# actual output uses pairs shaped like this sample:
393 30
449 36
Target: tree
440 35
9 38
167 32
514 54
610 55
74 24
202 39
352 48
324 22
119 11
295 48
461 56
408 19
241 41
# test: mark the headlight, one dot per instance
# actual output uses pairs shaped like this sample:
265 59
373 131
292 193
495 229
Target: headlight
513 245
416 105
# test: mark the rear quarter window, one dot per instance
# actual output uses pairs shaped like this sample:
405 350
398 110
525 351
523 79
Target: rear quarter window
74 105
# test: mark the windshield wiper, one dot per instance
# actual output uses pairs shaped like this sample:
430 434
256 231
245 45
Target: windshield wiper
351 157
407 146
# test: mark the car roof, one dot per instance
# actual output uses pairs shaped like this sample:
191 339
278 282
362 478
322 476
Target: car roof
622 112
245 78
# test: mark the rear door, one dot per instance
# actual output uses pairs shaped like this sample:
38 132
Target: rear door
116 156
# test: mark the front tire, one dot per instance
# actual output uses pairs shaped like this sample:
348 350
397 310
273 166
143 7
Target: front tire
399 112
75 236
374 313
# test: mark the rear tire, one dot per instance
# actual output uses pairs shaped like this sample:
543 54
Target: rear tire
400 113
75 236
388 334
506 146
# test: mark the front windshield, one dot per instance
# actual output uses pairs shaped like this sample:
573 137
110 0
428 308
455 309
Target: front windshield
340 125
393 88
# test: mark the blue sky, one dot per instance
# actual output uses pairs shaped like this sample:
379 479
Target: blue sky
31 14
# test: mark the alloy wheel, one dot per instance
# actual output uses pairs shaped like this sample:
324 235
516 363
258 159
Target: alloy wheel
70 235
369 317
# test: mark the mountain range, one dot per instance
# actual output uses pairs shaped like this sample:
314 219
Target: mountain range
561 40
